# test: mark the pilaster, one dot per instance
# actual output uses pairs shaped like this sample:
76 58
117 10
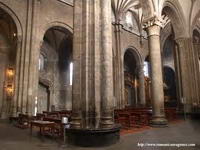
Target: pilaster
197 68
26 59
16 100
118 68
34 59
188 71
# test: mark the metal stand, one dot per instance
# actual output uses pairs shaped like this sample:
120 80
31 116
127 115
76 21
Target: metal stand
65 124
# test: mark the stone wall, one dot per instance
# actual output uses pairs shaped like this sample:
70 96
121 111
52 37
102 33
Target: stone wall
32 21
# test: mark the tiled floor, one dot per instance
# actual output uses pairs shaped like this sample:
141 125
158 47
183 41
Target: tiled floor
186 132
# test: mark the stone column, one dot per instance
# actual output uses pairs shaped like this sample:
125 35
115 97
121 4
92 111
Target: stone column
196 47
158 119
33 73
92 103
77 46
185 71
107 72
118 67
16 101
142 98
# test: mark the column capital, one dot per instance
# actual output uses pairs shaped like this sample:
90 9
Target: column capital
157 20
155 24
183 40
180 42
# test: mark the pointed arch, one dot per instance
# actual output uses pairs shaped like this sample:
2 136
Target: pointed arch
135 53
174 11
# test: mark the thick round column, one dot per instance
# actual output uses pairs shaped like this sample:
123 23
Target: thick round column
76 118
156 77
141 86
92 105
106 67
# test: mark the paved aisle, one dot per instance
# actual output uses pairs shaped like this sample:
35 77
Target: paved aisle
12 138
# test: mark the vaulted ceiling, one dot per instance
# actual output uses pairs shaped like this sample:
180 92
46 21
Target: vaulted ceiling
184 12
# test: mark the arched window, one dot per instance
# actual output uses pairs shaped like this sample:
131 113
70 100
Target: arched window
42 62
71 73
129 20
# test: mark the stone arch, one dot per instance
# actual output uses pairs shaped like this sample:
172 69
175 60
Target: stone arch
135 53
195 24
169 67
49 26
56 39
196 33
165 33
148 9
18 53
170 84
58 24
54 24
131 65
173 10
15 19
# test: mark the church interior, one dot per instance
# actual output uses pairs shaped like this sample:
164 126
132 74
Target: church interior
99 74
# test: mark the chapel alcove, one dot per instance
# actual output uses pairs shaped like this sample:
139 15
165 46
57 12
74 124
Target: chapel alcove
56 66
130 79
8 46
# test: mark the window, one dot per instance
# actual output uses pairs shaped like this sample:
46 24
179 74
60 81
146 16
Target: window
36 106
71 73
42 61
129 19
146 69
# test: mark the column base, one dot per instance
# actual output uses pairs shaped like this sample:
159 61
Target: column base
159 122
94 137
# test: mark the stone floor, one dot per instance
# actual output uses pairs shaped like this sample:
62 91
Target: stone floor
186 132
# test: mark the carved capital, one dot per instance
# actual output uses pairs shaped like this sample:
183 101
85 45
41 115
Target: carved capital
156 20
180 42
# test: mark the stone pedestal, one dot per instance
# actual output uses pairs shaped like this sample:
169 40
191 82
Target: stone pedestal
94 137
158 119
